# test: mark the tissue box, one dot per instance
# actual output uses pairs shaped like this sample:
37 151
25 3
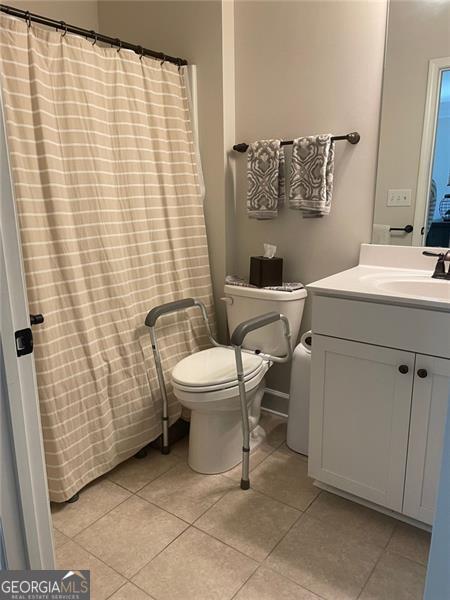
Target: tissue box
266 271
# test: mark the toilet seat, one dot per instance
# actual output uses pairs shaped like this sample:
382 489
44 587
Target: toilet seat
214 369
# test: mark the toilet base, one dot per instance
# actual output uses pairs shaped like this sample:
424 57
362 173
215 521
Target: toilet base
215 438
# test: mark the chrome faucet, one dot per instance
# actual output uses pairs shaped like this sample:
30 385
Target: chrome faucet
439 269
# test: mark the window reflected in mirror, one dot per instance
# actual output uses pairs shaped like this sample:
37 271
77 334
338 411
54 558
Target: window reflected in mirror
438 213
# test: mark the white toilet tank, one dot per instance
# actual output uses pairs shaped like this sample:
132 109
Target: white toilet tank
245 302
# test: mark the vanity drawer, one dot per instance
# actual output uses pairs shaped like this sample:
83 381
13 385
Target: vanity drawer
402 327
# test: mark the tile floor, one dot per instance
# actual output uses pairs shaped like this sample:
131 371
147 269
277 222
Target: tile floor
154 529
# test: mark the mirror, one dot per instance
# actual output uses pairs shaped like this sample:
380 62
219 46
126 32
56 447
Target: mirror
412 199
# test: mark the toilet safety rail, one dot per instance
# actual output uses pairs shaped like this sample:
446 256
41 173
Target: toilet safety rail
150 321
237 339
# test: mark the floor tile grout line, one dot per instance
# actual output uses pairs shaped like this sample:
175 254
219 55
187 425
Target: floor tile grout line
319 596
132 579
148 482
416 562
254 490
295 582
77 542
260 566
281 501
396 552
302 515
72 537
237 549
372 571
162 550
227 545
211 507
299 518
245 582
118 589
376 563
103 562
177 516
114 507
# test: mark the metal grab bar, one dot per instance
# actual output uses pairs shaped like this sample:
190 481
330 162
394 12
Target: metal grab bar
150 322
237 339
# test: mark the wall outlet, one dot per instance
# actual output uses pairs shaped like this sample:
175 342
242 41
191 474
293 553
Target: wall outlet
399 198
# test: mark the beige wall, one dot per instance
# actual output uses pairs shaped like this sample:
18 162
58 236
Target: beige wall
76 12
417 31
192 30
270 69
304 68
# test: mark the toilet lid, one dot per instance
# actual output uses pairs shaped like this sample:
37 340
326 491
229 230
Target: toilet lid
215 366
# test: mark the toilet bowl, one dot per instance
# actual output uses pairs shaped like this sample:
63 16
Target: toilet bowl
206 382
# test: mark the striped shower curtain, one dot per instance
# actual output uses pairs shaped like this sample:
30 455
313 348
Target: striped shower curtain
110 209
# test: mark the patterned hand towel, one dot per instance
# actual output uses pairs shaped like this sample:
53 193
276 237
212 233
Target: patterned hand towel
311 177
266 180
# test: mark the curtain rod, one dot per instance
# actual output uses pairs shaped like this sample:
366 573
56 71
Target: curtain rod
90 34
352 138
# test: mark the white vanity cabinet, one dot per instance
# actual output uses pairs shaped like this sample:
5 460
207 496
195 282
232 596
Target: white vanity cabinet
360 407
430 400
379 401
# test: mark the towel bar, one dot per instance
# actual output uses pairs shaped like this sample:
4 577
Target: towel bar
406 228
352 138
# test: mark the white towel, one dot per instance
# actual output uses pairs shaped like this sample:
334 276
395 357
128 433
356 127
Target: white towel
381 234
311 177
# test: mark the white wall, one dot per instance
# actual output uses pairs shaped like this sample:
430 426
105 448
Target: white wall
83 13
305 68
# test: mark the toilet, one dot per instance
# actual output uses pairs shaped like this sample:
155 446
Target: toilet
206 382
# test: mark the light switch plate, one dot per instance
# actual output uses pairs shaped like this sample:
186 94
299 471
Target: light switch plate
399 198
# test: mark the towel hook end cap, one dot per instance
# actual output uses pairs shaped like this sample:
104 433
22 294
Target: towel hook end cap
354 137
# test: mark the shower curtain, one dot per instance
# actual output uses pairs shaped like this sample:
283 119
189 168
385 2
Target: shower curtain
109 199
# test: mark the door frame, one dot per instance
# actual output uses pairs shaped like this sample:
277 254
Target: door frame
435 68
21 382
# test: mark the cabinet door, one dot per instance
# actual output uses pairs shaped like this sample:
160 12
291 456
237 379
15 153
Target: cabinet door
359 418
429 411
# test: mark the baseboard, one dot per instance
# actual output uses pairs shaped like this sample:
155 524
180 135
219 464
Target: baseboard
273 412
276 402
372 505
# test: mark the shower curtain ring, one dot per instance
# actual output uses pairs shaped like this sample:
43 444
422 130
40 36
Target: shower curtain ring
141 52
119 43
28 18
63 26
163 60
95 35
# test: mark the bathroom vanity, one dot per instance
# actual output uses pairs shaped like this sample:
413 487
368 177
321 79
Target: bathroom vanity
380 380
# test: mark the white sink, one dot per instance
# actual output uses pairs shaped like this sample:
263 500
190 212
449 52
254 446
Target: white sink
391 275
416 287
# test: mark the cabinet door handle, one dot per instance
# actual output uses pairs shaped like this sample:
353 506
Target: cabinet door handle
403 369
422 373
